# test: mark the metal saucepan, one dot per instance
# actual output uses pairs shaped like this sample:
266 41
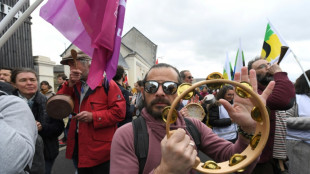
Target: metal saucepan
209 99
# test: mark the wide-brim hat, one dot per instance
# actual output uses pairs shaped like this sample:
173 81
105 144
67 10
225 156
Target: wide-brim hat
80 56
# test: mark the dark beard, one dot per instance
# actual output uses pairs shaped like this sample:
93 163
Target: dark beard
264 80
155 114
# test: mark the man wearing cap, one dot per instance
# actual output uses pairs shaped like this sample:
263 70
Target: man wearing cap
97 113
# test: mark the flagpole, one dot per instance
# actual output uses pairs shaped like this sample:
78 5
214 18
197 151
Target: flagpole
11 14
18 22
301 68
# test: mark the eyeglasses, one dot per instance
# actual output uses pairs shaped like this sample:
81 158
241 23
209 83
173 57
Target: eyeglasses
190 77
169 88
263 66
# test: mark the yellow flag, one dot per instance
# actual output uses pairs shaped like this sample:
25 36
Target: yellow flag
272 44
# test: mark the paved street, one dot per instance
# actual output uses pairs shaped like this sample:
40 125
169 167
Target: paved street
63 165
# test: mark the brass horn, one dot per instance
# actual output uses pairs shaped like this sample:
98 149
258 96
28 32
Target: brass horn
237 162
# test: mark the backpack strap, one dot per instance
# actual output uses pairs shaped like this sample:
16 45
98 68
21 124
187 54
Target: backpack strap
141 141
192 129
141 138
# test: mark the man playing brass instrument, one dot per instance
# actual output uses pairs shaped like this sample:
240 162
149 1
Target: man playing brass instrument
177 154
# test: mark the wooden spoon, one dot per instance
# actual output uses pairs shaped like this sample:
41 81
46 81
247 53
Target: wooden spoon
74 56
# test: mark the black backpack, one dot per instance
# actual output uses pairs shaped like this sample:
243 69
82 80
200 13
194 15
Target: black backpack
141 139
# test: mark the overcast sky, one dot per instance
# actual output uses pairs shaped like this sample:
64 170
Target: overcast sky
196 34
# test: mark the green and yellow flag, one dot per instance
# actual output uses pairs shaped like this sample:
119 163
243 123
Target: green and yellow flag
272 44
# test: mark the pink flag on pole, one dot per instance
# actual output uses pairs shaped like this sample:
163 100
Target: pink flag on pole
63 15
93 26
112 63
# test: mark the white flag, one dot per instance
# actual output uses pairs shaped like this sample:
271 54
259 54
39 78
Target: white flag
239 62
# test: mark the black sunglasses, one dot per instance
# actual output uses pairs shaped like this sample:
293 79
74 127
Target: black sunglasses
190 77
169 88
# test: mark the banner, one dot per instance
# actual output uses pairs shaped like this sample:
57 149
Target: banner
94 26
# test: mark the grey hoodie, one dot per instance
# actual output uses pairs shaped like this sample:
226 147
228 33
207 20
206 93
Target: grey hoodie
18 133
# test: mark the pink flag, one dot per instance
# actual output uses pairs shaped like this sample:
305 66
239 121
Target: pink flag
63 15
91 26
112 63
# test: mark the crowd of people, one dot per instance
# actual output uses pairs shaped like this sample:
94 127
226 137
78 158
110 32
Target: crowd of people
116 129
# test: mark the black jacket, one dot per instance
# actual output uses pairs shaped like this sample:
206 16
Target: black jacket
51 128
214 117
129 108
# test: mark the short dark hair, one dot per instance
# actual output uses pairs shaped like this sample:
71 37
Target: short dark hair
22 70
163 65
6 68
45 83
63 76
250 63
119 73
301 85
182 74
